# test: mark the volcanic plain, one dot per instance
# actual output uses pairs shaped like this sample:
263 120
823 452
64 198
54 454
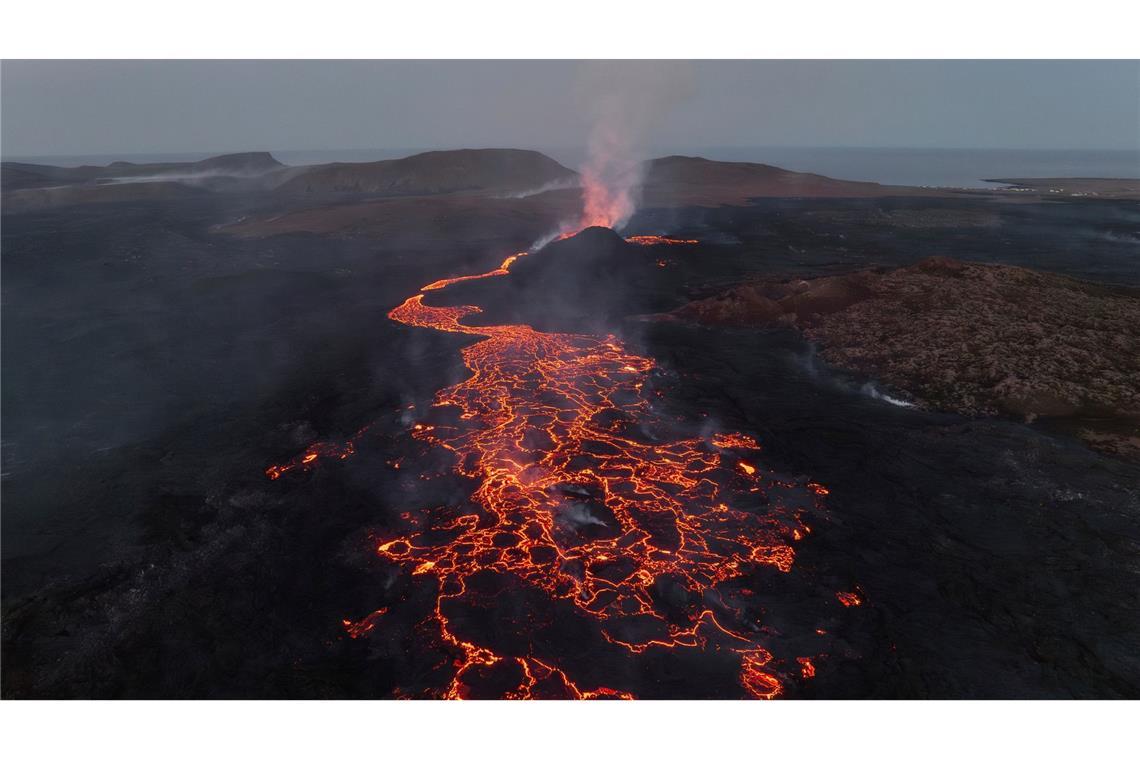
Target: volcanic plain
890 432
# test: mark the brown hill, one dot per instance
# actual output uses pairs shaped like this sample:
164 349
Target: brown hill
433 173
685 180
39 198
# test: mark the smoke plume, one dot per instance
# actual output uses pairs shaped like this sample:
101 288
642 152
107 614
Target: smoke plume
625 101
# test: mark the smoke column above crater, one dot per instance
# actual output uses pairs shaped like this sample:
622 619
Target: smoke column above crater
625 100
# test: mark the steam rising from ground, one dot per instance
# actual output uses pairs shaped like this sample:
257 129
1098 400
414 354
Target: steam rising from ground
625 100
184 177
566 183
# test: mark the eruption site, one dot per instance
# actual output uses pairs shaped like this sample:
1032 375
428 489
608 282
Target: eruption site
589 495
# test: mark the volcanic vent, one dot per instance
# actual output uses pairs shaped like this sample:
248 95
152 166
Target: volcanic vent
572 283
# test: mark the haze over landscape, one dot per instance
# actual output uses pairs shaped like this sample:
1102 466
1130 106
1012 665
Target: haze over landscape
62 108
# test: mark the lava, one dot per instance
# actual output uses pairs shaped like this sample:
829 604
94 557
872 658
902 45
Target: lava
735 441
308 458
503 269
362 627
551 426
658 240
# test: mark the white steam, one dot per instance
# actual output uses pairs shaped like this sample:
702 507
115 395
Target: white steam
624 100
564 183
870 390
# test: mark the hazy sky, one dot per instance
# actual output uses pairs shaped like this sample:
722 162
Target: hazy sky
121 107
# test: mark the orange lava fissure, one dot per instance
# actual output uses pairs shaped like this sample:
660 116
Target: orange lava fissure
544 426
658 240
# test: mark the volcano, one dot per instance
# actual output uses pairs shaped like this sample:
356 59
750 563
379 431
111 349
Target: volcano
465 469
570 284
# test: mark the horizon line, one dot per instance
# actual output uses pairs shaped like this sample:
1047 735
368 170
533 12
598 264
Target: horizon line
665 150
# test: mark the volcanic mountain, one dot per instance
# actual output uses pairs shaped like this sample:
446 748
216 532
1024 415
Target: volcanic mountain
472 189
675 180
443 171
565 286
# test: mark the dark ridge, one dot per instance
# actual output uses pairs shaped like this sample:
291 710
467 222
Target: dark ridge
697 170
253 161
433 173
21 176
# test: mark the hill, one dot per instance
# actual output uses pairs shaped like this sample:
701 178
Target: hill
686 180
434 173
466 179
20 176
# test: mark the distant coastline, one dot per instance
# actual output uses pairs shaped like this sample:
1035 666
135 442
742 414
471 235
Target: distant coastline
918 167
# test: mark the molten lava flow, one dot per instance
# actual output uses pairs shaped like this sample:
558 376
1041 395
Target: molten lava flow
658 240
362 627
558 432
735 441
308 458
550 414
503 269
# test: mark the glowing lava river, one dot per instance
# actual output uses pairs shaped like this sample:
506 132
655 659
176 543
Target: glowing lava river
586 497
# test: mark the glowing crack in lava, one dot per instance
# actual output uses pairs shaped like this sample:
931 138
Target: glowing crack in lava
559 431
658 240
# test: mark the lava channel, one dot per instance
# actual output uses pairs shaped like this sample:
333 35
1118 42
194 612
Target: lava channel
552 429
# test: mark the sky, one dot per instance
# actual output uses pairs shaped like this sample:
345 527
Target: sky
56 108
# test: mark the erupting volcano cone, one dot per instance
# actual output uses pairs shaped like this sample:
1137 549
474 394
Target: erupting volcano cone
576 284
591 245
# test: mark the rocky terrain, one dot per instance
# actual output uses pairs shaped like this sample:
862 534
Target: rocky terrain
1076 187
38 198
470 216
979 339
